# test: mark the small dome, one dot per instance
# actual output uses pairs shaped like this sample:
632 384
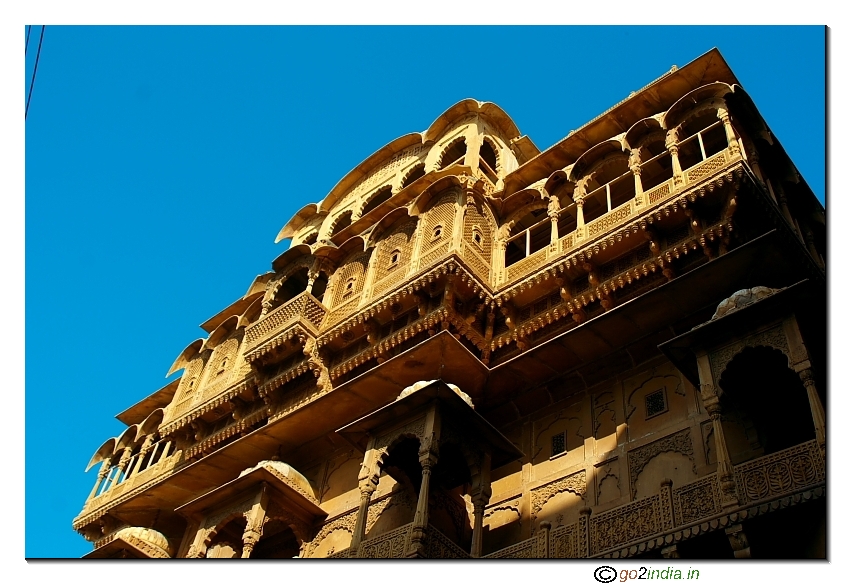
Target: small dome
147 535
422 384
742 298
289 474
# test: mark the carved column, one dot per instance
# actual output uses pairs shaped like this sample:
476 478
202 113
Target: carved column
552 212
122 464
428 454
728 492
738 541
480 495
145 449
420 519
254 518
818 415
731 139
671 142
579 218
101 475
368 480
634 166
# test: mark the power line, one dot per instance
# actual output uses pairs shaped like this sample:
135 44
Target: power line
34 71
27 44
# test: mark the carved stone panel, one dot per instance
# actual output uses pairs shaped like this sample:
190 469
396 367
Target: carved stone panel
638 458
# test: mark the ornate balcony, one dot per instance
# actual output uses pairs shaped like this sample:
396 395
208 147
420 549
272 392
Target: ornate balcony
302 313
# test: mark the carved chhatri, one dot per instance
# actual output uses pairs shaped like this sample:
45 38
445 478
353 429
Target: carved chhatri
473 348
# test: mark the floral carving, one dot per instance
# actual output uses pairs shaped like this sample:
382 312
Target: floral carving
781 472
565 541
390 545
697 500
622 525
415 427
638 458
575 483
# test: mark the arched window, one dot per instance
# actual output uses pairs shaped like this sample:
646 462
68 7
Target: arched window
380 196
487 161
341 222
417 173
454 154
437 232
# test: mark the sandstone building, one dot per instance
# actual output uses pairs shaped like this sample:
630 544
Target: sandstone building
612 348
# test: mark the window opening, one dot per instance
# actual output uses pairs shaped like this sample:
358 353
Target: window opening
656 403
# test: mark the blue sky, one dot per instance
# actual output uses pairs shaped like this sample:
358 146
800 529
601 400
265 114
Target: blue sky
162 161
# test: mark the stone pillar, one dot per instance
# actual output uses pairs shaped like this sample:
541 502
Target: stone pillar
420 519
255 519
671 142
479 503
818 415
480 495
579 218
728 492
552 212
738 541
101 475
634 166
145 449
368 484
731 140
122 465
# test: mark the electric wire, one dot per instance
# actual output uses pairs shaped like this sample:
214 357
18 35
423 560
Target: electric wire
34 71
27 44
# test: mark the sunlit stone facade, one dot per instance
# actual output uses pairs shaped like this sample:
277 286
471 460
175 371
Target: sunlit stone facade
471 348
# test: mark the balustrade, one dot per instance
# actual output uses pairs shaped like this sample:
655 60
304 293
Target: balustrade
303 308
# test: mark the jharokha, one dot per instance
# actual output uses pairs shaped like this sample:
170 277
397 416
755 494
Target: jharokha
474 349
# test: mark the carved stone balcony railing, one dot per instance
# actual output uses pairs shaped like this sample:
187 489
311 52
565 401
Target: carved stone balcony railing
390 545
618 216
780 473
267 333
395 544
774 481
97 506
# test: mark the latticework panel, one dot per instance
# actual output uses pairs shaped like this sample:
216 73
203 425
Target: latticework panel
658 193
353 272
707 167
434 255
220 366
477 232
475 261
609 220
394 256
441 217
188 387
527 265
